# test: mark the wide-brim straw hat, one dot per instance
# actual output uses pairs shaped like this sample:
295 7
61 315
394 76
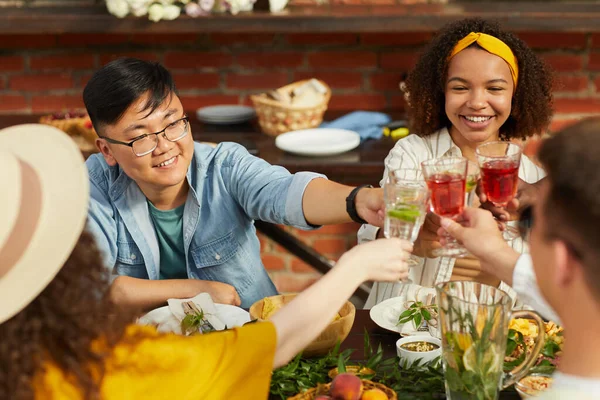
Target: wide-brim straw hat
44 193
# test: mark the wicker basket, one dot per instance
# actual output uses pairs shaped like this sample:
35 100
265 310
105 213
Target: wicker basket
310 394
336 330
77 125
275 117
352 369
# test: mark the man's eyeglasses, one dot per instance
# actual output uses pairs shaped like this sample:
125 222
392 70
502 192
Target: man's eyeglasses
146 143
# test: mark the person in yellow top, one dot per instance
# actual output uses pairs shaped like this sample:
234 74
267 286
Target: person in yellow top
62 338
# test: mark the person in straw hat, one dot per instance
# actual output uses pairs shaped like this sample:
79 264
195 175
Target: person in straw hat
63 338
175 218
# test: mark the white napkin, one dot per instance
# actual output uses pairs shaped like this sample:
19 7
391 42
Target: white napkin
204 302
416 293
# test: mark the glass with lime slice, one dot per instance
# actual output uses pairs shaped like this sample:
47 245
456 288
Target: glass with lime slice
406 197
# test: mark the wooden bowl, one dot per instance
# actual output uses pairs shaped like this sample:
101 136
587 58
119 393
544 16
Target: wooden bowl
334 332
310 394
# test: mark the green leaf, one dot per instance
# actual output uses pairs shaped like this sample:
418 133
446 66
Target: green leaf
426 314
341 365
367 344
550 348
418 320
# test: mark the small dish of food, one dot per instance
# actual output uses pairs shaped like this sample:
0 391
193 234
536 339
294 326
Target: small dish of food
423 347
533 385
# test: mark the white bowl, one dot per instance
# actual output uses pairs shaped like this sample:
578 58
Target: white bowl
409 357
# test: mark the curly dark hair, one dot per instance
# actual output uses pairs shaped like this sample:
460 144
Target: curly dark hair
60 325
532 101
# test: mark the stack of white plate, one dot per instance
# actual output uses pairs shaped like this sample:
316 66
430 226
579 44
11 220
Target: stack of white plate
226 114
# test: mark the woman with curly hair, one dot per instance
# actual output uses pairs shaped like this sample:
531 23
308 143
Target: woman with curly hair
474 83
62 338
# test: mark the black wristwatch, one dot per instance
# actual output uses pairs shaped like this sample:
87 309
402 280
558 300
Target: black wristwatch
351 206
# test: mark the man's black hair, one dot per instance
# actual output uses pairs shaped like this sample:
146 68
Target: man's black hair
117 85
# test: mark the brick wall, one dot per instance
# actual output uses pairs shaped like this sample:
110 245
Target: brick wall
41 73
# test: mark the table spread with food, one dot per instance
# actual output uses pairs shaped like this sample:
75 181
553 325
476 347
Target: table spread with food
361 354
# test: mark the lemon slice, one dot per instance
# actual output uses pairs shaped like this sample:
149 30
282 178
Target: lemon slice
405 214
491 359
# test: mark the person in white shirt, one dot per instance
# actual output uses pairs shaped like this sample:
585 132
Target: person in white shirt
561 277
473 84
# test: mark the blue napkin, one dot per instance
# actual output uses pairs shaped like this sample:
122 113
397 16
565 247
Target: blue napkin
368 124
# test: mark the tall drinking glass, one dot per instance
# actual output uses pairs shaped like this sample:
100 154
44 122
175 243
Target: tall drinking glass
446 179
473 320
499 163
406 197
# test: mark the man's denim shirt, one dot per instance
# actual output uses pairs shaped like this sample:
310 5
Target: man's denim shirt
229 189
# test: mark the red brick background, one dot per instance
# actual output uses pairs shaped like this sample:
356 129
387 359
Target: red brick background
43 73
40 73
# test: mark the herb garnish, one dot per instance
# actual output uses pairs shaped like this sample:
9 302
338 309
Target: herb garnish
196 322
418 312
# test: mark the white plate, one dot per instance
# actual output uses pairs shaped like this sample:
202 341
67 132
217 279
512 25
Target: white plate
318 141
386 313
226 114
165 321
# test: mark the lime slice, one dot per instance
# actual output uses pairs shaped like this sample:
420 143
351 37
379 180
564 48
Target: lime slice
470 185
491 358
405 214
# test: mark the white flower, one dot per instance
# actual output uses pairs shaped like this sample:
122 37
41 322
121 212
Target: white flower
139 8
118 8
184 1
193 10
156 12
235 6
206 5
171 12
277 5
246 5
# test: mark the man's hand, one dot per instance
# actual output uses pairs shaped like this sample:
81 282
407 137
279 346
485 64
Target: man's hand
481 236
222 293
370 206
428 239
147 294
526 195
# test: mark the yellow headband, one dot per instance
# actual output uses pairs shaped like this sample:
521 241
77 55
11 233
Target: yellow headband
492 45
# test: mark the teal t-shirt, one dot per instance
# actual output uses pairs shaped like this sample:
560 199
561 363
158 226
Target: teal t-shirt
169 231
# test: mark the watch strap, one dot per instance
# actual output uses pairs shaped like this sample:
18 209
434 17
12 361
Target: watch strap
351 205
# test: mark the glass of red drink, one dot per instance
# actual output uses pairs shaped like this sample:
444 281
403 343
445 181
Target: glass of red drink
446 178
499 164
